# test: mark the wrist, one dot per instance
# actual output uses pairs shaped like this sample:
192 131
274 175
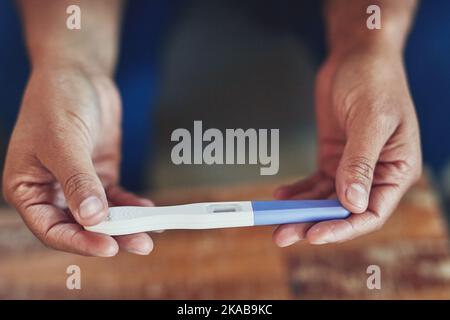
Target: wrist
347 28
67 54
50 63
380 44
374 51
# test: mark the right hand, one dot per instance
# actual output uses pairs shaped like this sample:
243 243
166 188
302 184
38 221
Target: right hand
63 162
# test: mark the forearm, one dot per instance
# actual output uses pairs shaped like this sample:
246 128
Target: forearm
347 29
50 42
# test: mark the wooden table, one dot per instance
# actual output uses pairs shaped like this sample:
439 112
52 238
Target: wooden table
412 251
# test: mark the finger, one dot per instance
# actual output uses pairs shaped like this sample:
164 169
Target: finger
288 234
139 243
120 197
287 191
321 190
70 162
383 201
333 195
366 138
315 187
56 230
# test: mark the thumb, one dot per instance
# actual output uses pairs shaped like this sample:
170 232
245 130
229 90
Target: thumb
366 137
72 166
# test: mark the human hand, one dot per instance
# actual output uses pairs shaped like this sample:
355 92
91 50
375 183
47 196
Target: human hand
63 160
369 146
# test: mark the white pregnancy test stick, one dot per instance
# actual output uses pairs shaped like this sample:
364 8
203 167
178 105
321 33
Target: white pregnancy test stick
210 215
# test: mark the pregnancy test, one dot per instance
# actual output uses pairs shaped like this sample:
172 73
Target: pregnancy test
211 215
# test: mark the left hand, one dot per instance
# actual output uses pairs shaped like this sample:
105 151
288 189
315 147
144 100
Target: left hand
62 166
369 146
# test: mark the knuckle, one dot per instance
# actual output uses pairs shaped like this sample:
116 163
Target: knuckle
76 183
6 193
53 235
9 190
359 168
408 172
49 241
36 224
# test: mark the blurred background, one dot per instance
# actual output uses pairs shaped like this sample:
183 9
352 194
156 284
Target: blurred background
241 64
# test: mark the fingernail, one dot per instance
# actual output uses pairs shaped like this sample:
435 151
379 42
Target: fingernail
324 240
288 238
142 250
357 195
147 202
90 207
139 252
111 251
319 240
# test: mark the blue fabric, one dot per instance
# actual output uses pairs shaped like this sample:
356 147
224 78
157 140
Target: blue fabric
144 25
13 67
428 64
